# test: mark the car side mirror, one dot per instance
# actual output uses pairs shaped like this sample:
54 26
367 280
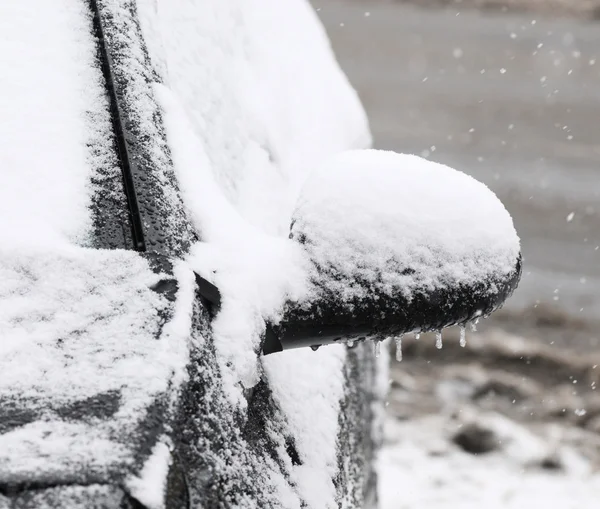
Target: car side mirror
396 244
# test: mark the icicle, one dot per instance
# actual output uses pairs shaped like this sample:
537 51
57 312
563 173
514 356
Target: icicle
463 336
350 343
438 340
417 336
377 348
399 348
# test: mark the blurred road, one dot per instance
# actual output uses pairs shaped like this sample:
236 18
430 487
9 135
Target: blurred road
513 101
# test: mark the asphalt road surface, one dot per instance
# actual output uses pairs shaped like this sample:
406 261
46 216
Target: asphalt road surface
513 100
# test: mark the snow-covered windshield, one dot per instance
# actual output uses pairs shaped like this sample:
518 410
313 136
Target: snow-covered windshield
55 132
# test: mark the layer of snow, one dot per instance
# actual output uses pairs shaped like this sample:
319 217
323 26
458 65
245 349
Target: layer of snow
77 323
253 100
254 271
50 298
308 388
57 449
370 215
52 107
251 108
262 93
158 194
150 486
421 468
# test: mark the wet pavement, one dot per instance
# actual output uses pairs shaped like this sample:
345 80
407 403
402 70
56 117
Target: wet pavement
513 100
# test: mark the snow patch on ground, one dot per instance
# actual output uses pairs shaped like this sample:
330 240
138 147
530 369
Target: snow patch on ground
419 468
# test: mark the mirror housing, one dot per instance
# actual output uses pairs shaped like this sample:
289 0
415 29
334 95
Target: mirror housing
395 244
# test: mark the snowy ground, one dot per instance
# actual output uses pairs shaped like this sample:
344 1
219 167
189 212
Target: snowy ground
506 427
419 468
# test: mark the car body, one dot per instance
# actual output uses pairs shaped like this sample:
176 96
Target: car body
182 185
131 130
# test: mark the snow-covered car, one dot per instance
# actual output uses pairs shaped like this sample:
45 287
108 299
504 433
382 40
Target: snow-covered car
153 295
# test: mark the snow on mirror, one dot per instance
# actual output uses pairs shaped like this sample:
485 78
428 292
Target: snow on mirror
396 244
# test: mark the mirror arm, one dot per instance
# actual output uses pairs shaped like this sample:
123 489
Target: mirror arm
302 335
271 343
209 295
327 323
